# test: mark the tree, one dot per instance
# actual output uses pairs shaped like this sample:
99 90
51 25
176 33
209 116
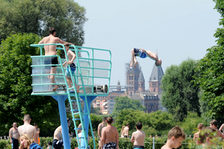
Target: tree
211 74
36 16
127 103
153 123
180 95
15 87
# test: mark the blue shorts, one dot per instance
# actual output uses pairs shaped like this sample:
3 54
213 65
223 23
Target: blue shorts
73 68
140 53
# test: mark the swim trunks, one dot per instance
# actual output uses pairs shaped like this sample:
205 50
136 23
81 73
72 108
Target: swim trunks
73 68
140 53
51 60
110 145
57 144
138 147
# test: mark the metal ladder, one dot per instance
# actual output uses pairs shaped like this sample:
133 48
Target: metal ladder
89 70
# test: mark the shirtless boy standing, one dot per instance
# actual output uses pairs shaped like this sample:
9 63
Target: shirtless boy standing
110 136
27 129
70 63
50 50
138 137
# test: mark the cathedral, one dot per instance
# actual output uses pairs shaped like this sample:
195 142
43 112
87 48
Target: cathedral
135 87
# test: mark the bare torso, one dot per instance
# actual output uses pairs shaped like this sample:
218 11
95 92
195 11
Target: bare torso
110 134
14 133
27 129
51 49
58 133
125 131
138 137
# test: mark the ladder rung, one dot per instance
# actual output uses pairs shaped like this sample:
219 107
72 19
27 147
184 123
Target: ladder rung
70 88
78 129
76 113
75 110
77 119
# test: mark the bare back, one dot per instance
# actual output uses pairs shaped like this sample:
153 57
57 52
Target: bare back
125 131
110 134
27 129
138 138
51 49
58 133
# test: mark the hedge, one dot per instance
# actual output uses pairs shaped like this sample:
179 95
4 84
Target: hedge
124 143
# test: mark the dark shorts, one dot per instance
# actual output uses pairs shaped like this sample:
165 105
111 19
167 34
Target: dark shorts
138 147
51 60
73 68
57 144
110 145
15 143
140 53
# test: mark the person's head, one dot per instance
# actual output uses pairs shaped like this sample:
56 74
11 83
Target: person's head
104 119
27 118
25 141
14 124
158 62
52 31
214 124
69 122
127 125
67 46
139 126
200 126
109 120
176 136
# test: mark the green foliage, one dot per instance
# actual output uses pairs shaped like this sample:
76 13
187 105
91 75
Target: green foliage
15 87
180 94
122 103
211 80
161 121
189 125
153 123
96 120
210 76
5 144
36 16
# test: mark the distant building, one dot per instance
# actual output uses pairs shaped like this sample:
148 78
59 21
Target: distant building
132 76
136 86
151 102
155 80
106 103
135 89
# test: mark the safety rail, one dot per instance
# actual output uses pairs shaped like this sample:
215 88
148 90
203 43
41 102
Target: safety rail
92 77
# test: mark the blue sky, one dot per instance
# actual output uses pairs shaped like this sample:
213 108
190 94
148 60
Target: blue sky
175 29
